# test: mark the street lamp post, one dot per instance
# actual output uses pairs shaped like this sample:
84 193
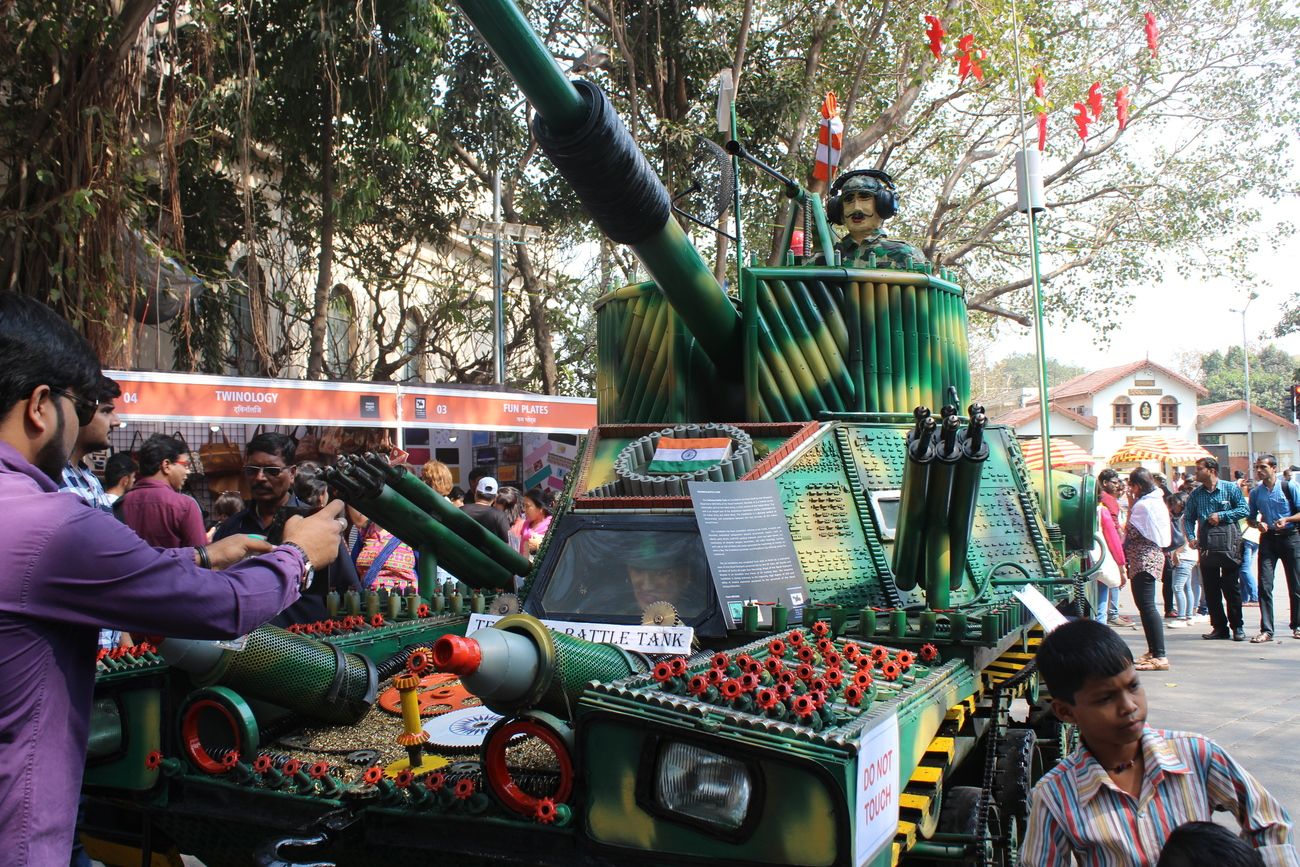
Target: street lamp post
1245 354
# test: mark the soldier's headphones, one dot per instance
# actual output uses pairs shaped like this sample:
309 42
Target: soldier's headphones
886 194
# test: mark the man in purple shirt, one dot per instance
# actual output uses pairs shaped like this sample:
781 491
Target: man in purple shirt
155 508
66 570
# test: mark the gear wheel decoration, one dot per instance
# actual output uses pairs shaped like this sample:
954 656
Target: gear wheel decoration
678 666
461 729
773 665
803 706
794 638
660 614
663 672
720 661
439 694
377 621
318 770
464 789
435 782
879 654
404 779
153 761
373 775
731 689
544 813
419 660
853 695
698 685
505 603
262 764
891 670
766 699
775 649
905 658
820 628
423 611
929 653
291 767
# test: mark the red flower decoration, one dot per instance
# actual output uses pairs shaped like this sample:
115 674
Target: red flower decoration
544 812
464 788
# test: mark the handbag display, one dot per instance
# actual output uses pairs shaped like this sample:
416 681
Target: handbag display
220 458
1108 574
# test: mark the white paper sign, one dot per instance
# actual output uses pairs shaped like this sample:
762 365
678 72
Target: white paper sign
879 791
642 639
1041 607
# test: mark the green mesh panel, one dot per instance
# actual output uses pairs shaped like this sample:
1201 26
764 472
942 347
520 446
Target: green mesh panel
578 662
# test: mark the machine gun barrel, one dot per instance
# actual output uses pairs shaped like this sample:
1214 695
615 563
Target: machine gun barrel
591 147
364 490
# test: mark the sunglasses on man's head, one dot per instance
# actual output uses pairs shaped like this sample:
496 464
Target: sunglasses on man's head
85 408
270 472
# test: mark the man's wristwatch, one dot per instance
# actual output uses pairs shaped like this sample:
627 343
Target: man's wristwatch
309 572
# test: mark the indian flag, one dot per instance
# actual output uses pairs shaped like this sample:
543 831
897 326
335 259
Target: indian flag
689 455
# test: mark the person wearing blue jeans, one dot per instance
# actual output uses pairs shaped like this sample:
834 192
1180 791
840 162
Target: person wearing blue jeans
1250 555
1181 558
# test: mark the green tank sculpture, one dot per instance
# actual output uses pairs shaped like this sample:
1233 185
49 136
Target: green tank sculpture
839 692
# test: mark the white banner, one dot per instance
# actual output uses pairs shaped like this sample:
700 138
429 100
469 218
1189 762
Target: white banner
641 639
879 791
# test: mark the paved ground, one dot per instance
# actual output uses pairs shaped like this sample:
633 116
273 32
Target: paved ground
1245 696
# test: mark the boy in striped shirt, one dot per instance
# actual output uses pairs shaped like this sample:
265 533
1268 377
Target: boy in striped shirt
1117 798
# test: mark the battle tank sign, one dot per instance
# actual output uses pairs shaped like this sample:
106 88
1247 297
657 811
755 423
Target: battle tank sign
751 554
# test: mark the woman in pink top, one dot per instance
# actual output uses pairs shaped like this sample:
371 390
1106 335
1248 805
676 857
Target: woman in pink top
537 520
1114 549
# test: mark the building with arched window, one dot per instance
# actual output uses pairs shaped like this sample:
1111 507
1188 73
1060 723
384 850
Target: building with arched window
1102 410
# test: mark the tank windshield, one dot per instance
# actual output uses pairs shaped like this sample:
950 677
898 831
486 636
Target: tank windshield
618 573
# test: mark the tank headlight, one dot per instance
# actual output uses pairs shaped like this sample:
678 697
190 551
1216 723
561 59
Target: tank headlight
703 785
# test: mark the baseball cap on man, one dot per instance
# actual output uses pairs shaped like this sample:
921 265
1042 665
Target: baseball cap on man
487 486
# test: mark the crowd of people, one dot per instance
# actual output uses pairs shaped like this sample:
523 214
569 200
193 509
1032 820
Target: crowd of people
1192 543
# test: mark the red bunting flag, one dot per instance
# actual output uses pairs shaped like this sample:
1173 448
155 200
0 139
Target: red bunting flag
1121 106
1081 120
968 58
1153 35
830 138
1040 86
1042 131
936 33
1094 100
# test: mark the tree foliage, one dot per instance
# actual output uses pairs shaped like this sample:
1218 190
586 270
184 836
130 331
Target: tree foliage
1272 372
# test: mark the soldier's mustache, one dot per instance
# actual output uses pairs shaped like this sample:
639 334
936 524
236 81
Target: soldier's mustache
853 214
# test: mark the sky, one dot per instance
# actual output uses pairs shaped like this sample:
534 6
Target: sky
1192 316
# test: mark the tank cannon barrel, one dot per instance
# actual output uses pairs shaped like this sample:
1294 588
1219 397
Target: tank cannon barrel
519 663
581 134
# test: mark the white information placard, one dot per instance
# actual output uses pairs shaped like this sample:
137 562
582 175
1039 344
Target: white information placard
635 637
879 791
1041 607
